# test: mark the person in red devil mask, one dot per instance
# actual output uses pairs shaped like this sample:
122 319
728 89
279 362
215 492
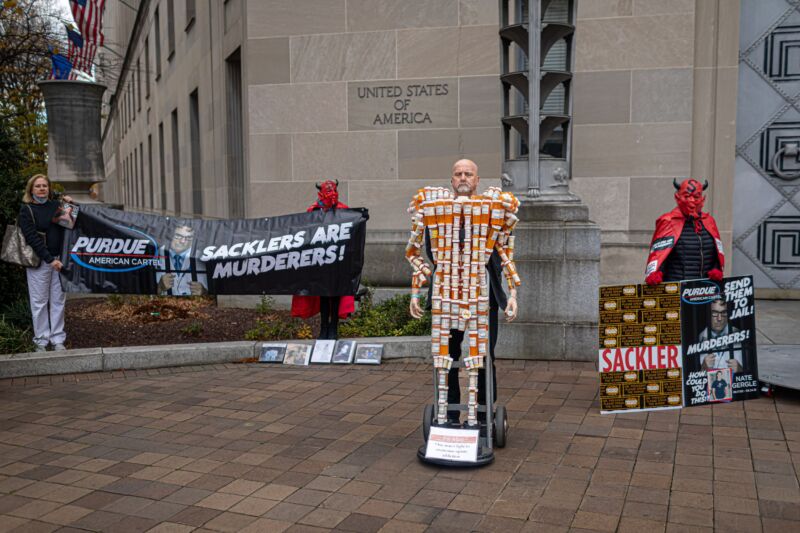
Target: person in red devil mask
330 308
686 243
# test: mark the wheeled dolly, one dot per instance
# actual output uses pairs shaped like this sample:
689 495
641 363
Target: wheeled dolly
493 429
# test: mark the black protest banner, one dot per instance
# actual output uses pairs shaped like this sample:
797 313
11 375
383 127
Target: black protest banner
639 356
317 253
718 329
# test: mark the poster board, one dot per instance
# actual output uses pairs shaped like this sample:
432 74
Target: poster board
677 344
639 356
718 327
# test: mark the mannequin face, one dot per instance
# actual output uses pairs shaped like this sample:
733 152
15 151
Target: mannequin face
690 198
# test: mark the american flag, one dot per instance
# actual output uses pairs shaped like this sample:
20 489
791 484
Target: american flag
81 53
88 15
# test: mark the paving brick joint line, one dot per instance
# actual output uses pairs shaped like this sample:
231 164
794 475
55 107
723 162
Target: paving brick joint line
247 447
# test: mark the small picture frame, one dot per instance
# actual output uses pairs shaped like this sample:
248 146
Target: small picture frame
343 353
369 354
323 351
297 354
272 352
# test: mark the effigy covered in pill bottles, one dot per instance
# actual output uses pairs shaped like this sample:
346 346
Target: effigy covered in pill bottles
460 295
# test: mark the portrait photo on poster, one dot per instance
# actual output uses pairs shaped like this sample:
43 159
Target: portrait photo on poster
343 353
272 352
719 385
297 354
369 354
323 351
718 333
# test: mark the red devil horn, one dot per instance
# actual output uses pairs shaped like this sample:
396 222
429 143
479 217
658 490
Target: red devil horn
705 184
676 184
319 188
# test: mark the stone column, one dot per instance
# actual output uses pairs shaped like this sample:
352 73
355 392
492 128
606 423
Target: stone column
74 151
557 253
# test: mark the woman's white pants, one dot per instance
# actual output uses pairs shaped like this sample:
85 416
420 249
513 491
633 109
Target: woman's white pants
44 287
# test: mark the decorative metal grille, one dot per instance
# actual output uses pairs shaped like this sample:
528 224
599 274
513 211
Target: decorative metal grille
766 232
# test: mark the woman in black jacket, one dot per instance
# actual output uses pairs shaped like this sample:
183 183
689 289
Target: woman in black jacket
37 219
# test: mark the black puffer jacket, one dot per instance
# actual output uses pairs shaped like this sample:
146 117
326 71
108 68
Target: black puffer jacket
692 256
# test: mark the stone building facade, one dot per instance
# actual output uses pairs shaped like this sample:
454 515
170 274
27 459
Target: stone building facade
235 108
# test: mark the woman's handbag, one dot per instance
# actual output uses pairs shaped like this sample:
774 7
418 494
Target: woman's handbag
16 250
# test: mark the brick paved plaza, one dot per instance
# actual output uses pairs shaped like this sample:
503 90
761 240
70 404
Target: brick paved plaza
269 448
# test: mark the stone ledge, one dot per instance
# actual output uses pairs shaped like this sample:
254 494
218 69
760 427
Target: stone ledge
44 363
143 357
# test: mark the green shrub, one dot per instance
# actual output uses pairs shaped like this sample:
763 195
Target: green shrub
195 329
115 300
14 339
17 313
12 183
266 305
273 328
387 319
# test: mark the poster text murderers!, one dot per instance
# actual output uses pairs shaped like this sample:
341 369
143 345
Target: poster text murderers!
639 358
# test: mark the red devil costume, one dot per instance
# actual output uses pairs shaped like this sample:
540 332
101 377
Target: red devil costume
686 243
330 308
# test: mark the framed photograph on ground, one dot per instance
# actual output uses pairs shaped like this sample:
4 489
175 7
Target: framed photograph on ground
297 354
344 352
272 352
369 354
323 351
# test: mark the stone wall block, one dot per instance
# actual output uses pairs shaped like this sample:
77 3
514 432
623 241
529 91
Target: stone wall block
347 56
368 15
348 155
285 197
270 157
562 290
650 198
605 9
632 149
297 108
602 97
480 101
607 199
578 339
541 241
474 12
386 200
623 263
661 95
295 17
427 53
530 341
582 241
267 61
635 42
430 154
